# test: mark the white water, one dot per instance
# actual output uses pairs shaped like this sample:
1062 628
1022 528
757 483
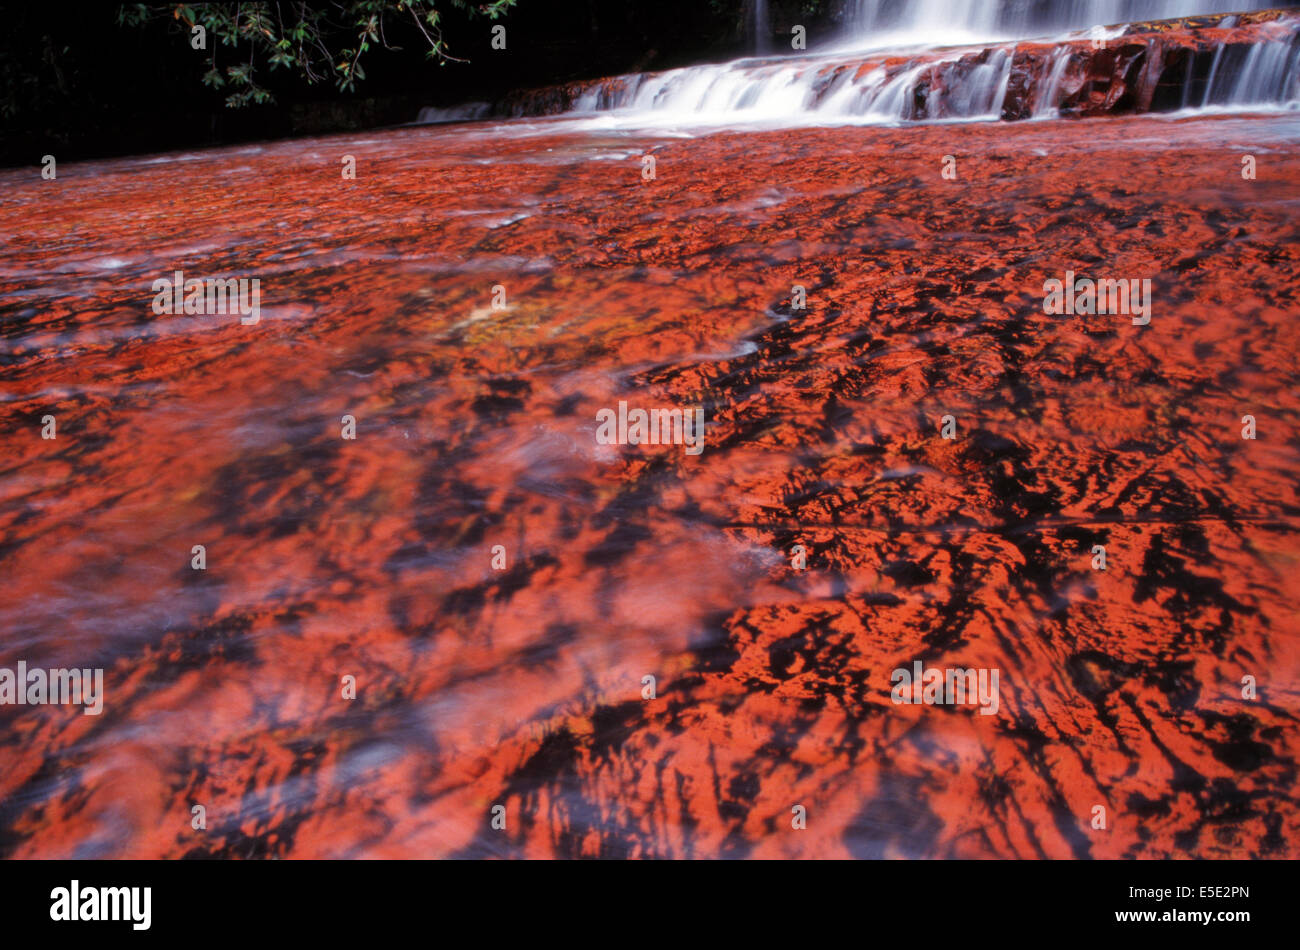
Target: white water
894 24
826 89
831 87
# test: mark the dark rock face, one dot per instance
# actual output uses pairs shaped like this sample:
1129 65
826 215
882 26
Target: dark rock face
1157 69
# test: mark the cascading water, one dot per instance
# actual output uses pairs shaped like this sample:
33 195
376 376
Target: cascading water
877 24
858 82
762 39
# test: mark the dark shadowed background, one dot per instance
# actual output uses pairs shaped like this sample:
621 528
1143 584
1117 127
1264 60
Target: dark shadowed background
75 83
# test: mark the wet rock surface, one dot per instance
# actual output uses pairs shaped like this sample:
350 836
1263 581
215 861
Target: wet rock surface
523 687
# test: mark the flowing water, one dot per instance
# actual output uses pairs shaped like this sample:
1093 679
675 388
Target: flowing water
893 24
888 77
473 300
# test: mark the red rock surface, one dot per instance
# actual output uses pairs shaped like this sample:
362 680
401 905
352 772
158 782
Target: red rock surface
372 557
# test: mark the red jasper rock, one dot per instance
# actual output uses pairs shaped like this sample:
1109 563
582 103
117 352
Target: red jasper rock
523 686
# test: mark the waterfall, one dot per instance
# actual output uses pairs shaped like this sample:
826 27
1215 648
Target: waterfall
948 84
1015 75
762 28
876 24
